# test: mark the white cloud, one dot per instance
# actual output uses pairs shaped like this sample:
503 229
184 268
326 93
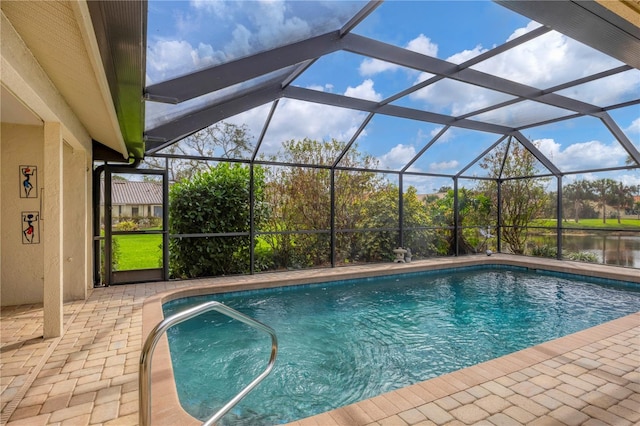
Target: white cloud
630 179
218 8
424 45
364 91
420 44
465 55
397 157
582 155
297 120
634 127
273 27
370 67
544 62
444 165
547 60
171 58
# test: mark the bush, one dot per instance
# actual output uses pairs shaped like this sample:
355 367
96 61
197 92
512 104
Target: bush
115 258
549 251
212 201
127 226
582 256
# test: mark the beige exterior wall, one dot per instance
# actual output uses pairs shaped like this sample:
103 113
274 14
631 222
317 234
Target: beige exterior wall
22 272
75 214
22 266
55 100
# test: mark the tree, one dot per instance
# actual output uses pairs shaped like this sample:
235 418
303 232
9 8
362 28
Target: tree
622 198
603 189
299 199
577 193
522 197
220 140
213 201
474 210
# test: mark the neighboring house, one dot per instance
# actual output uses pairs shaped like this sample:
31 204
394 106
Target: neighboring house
133 199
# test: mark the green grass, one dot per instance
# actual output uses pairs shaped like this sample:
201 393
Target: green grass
139 251
633 224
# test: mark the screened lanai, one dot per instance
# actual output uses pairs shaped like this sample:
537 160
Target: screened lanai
448 128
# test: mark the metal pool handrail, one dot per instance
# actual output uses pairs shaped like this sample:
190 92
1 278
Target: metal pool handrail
144 383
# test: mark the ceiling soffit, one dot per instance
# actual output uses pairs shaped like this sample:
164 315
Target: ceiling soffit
56 36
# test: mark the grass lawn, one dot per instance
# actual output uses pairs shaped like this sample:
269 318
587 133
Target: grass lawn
633 224
139 251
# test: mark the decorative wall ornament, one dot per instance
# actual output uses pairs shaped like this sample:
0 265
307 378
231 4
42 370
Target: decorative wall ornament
28 181
30 228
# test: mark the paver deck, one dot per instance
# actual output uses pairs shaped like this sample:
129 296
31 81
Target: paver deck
89 376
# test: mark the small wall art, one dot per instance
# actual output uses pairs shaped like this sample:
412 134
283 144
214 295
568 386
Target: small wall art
28 181
30 227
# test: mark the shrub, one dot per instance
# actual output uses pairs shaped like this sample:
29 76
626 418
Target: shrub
212 201
127 226
115 257
582 256
549 251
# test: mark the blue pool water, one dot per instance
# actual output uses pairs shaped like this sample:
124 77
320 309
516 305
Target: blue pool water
341 343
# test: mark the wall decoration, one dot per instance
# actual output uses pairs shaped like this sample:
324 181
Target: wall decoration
28 181
30 228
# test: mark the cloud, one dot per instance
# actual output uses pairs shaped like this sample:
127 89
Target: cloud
582 155
630 179
397 157
444 165
465 55
170 58
297 120
634 127
420 44
364 91
544 62
218 8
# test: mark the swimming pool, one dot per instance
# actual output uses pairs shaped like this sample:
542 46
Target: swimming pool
405 329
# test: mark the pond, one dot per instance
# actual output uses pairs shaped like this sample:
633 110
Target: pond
611 249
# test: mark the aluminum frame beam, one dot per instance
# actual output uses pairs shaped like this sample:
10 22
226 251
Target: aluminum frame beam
333 99
164 135
620 136
214 78
536 153
399 56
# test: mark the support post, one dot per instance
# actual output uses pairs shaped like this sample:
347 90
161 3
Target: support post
53 230
332 219
559 219
252 228
456 217
400 212
499 227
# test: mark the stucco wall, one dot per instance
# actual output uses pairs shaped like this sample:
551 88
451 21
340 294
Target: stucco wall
22 265
74 214
22 273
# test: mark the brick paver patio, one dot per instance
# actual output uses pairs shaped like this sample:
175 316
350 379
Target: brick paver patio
89 376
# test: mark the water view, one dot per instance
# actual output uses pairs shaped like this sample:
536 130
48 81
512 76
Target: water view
610 249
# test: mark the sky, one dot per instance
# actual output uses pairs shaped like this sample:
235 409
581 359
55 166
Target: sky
185 36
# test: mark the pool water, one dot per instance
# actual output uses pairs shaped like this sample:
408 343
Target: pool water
342 343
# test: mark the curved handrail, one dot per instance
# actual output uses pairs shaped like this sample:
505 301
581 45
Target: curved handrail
144 381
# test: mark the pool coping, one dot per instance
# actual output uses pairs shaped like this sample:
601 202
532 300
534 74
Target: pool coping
165 404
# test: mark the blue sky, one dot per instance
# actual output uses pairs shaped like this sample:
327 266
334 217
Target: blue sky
187 35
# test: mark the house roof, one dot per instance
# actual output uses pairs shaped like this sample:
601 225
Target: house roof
137 193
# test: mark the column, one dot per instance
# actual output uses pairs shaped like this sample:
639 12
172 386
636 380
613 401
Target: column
52 227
